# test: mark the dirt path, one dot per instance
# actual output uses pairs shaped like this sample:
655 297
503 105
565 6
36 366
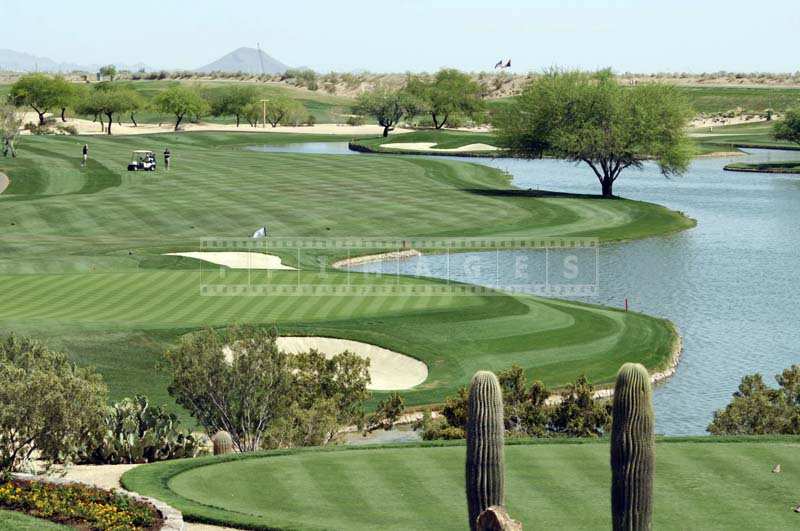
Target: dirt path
108 477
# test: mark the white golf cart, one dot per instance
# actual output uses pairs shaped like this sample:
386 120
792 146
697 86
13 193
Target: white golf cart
142 160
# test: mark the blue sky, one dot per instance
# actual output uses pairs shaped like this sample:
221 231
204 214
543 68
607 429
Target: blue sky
381 35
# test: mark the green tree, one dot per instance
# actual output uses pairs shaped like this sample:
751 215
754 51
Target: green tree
334 387
181 102
757 409
39 92
448 94
66 95
109 71
386 106
237 381
48 406
788 129
280 109
232 100
240 382
109 99
591 118
10 125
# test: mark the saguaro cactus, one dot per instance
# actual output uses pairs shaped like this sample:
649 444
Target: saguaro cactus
632 450
223 444
484 469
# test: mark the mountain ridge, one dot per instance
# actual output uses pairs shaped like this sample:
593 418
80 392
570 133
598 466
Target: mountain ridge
245 59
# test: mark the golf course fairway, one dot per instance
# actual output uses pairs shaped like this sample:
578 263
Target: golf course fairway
699 484
82 265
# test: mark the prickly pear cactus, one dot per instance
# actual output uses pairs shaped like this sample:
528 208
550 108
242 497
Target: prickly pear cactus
223 444
632 450
485 436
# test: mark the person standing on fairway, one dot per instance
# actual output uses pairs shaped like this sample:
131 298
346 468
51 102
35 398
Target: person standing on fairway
167 155
85 155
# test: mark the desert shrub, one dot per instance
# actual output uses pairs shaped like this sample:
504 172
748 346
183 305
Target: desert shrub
528 412
757 409
387 412
238 381
136 432
77 504
50 406
310 119
355 119
579 414
67 129
433 429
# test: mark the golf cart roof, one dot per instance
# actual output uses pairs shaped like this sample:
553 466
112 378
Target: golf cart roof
142 151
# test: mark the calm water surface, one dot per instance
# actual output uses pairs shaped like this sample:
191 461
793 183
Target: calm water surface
731 284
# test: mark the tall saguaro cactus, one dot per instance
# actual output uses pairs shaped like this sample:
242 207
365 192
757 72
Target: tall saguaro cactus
632 450
485 434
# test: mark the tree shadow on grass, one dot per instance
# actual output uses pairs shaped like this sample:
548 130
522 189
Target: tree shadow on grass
491 192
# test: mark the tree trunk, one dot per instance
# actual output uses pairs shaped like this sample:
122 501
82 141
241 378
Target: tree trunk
63 114
178 123
607 185
102 125
110 120
41 118
134 121
237 120
386 129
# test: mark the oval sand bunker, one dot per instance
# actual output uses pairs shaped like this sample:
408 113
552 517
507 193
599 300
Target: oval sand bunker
388 370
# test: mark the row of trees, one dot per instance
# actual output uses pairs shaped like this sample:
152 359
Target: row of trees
446 95
235 380
45 94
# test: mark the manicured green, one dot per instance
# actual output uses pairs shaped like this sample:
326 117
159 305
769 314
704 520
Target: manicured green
14 521
731 137
700 483
81 264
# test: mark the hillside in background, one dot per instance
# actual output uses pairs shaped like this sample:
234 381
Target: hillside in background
248 60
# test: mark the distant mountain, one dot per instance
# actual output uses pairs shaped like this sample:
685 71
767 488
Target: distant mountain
245 60
25 62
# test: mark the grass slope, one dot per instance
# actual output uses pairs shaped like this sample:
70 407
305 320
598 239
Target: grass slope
14 521
765 167
731 137
700 484
81 264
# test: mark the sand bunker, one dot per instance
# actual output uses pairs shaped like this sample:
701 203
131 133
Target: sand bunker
388 370
88 127
369 258
238 260
4 182
428 146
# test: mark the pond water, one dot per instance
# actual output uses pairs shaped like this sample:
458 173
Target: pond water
731 284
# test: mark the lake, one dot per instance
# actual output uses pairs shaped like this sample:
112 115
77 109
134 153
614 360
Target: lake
730 284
